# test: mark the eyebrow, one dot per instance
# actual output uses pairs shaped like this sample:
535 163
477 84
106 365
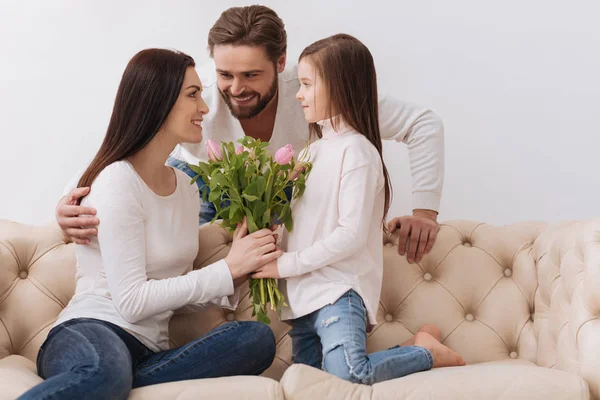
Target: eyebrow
253 71
304 79
198 88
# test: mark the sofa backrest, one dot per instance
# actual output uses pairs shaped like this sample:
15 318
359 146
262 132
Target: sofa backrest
478 284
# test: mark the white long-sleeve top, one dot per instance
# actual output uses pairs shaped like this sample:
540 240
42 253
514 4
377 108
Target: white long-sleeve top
138 270
336 241
418 127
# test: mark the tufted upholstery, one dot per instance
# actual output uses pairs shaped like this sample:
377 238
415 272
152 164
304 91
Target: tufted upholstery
508 299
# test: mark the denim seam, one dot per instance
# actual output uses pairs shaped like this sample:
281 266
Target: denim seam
428 354
163 364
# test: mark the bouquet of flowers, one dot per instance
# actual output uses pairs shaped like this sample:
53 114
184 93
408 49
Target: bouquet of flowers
245 180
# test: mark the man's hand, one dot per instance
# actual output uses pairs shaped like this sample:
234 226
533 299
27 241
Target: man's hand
268 270
417 233
70 217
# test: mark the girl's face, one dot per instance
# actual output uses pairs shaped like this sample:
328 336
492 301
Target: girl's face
183 123
312 94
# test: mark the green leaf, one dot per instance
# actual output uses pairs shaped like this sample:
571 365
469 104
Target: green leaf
266 218
251 224
261 316
258 212
261 185
233 209
249 197
220 179
288 222
214 196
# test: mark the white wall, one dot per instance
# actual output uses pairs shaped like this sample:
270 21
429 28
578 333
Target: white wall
516 83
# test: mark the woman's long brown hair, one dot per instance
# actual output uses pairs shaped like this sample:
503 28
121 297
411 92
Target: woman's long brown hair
347 69
148 90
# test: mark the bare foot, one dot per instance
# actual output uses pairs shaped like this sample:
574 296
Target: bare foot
442 356
428 328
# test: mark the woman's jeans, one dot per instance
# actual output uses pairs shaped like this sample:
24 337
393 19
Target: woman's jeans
334 339
89 359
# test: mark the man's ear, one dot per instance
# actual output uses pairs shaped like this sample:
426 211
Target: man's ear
281 63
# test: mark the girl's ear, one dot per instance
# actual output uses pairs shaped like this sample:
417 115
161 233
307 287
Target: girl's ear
281 63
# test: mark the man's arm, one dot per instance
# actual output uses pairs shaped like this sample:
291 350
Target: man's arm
77 223
423 132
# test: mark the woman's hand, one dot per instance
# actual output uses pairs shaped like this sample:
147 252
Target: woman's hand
249 252
267 271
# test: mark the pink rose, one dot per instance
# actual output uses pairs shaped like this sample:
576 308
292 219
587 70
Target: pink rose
284 155
239 150
213 150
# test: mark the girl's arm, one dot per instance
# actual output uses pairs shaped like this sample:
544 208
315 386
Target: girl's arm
358 189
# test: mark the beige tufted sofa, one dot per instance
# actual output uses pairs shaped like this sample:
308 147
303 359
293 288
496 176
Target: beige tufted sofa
520 303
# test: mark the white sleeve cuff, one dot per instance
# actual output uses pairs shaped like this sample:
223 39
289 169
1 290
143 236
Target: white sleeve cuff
286 265
426 200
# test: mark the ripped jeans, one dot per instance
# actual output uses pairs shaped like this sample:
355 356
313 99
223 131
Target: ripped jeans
334 339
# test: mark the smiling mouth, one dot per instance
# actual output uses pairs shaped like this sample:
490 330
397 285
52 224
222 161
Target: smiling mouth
242 100
197 123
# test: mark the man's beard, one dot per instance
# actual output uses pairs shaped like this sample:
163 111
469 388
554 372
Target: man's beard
262 101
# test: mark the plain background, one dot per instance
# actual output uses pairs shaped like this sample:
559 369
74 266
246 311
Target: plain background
516 83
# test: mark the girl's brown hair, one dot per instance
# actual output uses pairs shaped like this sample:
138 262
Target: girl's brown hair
347 69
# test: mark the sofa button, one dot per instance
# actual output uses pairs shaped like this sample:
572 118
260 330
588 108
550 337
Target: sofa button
469 317
466 243
427 276
389 244
513 354
230 316
23 274
507 272
389 317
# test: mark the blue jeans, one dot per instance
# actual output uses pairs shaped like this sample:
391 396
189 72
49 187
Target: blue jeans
89 359
207 209
334 339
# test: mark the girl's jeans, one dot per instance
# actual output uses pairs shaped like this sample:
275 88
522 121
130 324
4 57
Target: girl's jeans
334 339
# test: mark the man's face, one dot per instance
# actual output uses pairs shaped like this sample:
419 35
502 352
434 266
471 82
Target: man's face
247 78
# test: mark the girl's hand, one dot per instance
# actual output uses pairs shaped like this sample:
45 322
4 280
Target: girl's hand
249 252
267 271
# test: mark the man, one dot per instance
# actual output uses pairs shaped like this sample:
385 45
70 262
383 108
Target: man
253 94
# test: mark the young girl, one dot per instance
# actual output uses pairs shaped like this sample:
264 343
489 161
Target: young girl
334 260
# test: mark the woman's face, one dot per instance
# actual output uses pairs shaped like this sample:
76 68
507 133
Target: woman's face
312 95
184 121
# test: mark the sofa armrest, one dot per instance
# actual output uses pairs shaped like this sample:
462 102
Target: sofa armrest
567 303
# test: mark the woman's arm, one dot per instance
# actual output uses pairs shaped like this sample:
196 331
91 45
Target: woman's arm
121 238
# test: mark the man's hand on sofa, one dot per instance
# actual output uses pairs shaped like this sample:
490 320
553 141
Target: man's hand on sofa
77 222
417 233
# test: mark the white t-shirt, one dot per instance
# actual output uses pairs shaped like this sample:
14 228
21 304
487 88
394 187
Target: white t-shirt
138 270
336 241
420 128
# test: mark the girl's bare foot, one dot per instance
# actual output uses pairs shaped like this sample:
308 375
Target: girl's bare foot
428 328
442 356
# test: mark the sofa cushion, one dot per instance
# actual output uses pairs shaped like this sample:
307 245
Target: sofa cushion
18 374
514 379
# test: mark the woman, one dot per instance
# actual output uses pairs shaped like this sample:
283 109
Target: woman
113 334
